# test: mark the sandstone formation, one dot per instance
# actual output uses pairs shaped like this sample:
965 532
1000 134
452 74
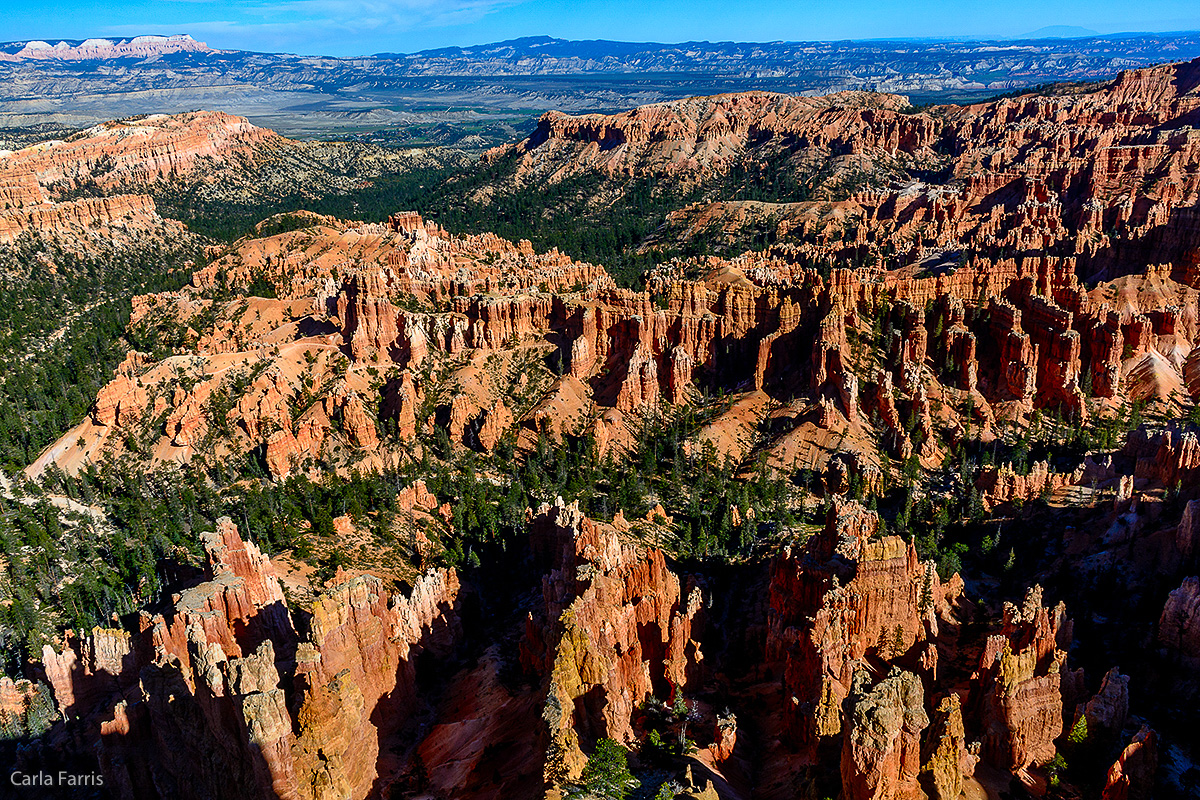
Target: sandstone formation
491 301
626 631
40 184
221 696
231 690
881 754
95 49
877 335
1022 672
1107 712
695 138
135 152
946 759
1179 634
1132 776
848 595
90 192
958 345
1021 176
26 708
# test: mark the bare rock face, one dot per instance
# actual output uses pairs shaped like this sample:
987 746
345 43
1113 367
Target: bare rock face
120 219
285 450
1179 634
103 49
946 760
1132 776
121 158
1169 457
368 318
956 310
697 137
401 399
1003 484
1107 712
194 704
88 670
379 331
881 756
212 717
120 403
626 630
640 389
625 351
137 151
1187 538
356 675
1021 675
847 595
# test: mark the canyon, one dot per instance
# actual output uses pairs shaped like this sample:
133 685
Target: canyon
232 690
987 312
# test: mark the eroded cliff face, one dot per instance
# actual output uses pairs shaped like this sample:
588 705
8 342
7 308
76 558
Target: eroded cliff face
698 138
134 152
867 642
619 627
881 753
847 595
1104 179
99 49
119 161
232 691
1022 674
91 193
359 304
1179 636
958 329
219 695
1132 776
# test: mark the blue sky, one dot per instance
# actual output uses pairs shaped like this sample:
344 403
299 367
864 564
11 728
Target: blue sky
358 27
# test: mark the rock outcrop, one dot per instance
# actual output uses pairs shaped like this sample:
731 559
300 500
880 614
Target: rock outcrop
1106 713
101 49
195 702
697 138
1044 267
847 595
356 676
881 755
946 759
1022 671
622 628
1179 635
1132 776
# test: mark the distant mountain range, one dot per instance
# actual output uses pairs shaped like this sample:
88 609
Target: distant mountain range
78 82
140 47
1060 32
1062 53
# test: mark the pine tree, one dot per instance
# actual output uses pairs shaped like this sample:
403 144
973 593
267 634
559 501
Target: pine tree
881 644
607 774
927 589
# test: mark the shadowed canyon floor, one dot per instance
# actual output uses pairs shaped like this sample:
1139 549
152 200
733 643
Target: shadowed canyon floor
868 469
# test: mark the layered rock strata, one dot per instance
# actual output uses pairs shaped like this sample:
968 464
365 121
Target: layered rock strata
222 696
